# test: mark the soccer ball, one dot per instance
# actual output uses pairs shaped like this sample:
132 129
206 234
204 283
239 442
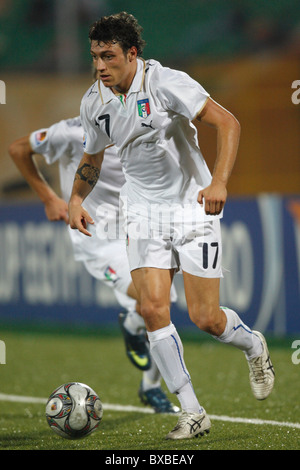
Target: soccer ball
74 410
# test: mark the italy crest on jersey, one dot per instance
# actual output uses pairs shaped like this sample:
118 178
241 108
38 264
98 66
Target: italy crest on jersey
144 108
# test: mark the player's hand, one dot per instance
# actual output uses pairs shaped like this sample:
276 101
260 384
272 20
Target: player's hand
214 197
79 219
57 209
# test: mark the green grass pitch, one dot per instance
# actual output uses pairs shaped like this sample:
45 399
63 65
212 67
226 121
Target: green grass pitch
37 362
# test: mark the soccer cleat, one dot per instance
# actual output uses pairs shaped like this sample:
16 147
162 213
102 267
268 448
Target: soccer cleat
262 375
137 349
190 425
157 399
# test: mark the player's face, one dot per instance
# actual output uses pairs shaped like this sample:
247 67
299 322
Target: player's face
114 68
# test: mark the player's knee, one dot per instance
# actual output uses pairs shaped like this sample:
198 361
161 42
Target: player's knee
154 314
205 317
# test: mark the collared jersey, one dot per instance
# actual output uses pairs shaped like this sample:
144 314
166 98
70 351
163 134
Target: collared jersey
63 142
153 134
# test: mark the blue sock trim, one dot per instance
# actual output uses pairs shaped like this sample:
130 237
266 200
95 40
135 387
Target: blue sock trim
181 361
242 326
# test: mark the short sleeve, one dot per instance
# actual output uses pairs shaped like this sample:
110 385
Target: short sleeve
94 139
179 93
50 142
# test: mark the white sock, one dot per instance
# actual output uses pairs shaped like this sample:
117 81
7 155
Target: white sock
167 351
151 377
240 335
134 323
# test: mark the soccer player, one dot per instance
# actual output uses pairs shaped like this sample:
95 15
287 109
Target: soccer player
172 203
104 258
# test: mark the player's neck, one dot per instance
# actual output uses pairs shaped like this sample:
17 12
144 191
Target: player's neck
123 87
117 92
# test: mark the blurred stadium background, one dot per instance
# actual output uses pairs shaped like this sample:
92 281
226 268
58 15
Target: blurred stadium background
246 54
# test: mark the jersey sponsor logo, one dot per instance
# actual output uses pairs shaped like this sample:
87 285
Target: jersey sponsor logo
143 108
40 137
92 89
147 125
149 65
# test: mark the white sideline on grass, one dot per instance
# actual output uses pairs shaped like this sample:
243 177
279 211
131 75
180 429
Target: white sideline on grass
129 408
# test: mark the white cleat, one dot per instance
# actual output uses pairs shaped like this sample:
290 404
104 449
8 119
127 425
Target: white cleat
262 375
190 425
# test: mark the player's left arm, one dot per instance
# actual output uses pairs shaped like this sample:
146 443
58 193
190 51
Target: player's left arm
228 135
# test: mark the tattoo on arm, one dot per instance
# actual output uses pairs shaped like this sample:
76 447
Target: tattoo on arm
88 173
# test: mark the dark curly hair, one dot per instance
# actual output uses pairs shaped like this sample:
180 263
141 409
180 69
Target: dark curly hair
122 28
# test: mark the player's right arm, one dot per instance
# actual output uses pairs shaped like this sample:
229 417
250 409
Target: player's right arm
88 170
23 156
86 177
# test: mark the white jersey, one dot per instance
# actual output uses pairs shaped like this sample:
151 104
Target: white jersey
63 142
152 131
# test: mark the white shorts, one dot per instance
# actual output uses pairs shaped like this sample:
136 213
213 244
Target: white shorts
196 250
111 268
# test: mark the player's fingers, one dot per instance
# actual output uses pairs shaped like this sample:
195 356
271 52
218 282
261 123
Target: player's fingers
213 207
217 207
79 219
209 207
65 218
200 198
82 229
79 223
221 205
89 220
